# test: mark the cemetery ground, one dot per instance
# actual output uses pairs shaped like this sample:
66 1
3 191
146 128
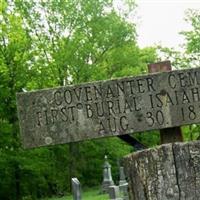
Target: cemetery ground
90 194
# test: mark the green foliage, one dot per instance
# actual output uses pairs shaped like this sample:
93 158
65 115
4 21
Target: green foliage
46 44
187 58
190 54
193 36
191 132
92 194
149 139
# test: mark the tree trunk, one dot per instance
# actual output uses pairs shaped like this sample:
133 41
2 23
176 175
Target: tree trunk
167 172
74 156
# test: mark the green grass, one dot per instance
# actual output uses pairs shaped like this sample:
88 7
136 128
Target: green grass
86 195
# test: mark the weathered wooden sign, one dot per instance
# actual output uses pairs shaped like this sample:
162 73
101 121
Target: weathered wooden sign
109 108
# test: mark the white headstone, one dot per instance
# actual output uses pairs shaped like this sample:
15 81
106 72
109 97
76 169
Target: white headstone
76 189
122 176
114 193
107 176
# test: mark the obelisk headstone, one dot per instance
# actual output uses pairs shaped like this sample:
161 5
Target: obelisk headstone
76 189
122 178
123 184
107 176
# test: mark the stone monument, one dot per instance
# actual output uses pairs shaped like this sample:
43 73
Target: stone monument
122 178
107 176
76 189
114 193
123 184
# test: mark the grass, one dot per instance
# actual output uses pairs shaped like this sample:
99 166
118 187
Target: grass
86 195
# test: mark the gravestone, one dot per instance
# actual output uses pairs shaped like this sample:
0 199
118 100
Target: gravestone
76 189
124 191
122 176
123 184
107 176
114 193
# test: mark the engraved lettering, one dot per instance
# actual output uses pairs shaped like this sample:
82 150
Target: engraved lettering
72 114
150 119
89 111
110 107
39 118
54 114
112 124
140 86
127 107
172 81
68 96
182 79
78 92
192 113
160 103
176 97
88 93
99 109
169 99
136 105
64 116
118 106
102 128
188 113
110 93
46 118
195 94
98 92
185 98
57 97
151 100
120 89
160 117
150 84
131 85
123 123
193 78
183 114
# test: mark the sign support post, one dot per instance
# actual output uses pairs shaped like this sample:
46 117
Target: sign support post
167 135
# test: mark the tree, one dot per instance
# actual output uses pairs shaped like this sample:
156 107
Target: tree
187 58
13 76
192 37
51 43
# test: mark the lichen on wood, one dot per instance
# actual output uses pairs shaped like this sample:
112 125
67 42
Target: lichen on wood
167 172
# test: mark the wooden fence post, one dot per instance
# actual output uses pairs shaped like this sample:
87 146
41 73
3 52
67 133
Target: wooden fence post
168 172
167 135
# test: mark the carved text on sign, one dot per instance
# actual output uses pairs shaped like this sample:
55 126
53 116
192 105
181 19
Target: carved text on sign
106 108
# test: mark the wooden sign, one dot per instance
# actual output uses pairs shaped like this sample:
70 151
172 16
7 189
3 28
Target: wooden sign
109 108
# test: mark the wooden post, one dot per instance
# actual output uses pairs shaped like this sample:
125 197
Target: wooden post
168 172
167 135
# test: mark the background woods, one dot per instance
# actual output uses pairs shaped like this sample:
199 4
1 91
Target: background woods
53 43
